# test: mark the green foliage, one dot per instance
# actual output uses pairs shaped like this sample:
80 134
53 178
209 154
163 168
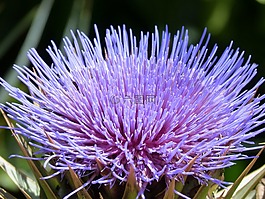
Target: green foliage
28 186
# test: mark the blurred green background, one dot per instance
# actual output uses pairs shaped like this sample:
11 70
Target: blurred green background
33 23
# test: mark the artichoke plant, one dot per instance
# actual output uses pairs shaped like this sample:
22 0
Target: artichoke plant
156 117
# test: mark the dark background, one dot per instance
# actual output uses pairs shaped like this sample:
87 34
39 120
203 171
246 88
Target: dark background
226 20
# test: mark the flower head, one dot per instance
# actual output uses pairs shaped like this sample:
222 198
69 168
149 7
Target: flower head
149 105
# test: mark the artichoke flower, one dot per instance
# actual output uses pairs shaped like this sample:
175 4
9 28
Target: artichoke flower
150 118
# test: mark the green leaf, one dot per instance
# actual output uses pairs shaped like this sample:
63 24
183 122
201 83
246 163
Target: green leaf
36 30
32 40
204 190
233 189
77 183
16 32
79 18
179 185
28 186
49 186
5 195
249 183
170 191
261 1
252 195
131 188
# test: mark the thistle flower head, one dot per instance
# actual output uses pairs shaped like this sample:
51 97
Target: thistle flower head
153 105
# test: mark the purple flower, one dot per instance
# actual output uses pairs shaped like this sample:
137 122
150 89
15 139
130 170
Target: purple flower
150 105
